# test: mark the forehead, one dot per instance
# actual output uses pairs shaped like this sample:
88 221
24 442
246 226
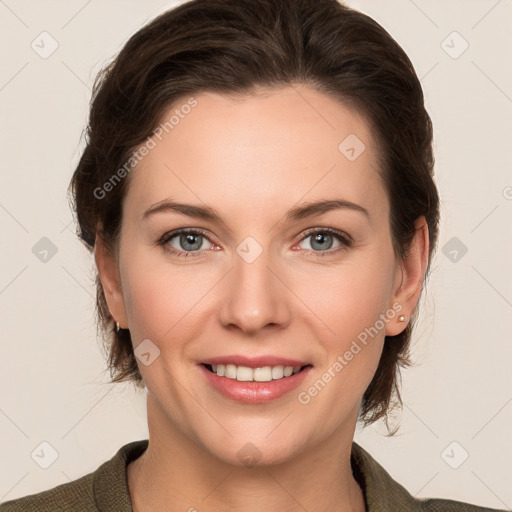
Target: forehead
258 152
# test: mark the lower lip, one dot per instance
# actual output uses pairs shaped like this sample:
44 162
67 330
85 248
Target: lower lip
254 392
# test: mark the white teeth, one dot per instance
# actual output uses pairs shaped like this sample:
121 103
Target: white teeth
246 374
277 372
230 371
262 374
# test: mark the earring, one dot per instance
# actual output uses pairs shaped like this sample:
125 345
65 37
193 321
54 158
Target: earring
401 318
117 327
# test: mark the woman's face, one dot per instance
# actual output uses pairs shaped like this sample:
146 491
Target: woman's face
269 281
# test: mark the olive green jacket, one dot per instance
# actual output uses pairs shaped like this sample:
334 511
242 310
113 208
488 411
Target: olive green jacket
106 489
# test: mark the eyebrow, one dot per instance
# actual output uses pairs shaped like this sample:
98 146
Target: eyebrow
300 212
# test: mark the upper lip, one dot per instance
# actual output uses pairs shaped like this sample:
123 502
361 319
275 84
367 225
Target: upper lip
255 362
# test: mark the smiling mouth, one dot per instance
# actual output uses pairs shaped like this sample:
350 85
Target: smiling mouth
246 374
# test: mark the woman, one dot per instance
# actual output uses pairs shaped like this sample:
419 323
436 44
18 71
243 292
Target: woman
257 188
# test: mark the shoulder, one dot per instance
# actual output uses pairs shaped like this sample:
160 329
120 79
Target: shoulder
439 505
104 489
75 495
383 493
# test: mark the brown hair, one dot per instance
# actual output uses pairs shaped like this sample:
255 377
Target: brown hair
233 47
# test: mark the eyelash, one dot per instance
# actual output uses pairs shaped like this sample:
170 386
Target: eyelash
345 240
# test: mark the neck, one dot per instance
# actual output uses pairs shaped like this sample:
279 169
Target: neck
176 471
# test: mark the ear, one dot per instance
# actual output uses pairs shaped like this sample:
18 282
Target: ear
409 278
110 280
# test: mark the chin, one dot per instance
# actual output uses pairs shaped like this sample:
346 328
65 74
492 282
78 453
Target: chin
257 450
255 455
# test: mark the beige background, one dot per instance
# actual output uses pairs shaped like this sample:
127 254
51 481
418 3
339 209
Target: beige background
53 385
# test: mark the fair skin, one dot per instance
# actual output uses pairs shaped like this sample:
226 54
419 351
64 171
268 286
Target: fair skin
253 159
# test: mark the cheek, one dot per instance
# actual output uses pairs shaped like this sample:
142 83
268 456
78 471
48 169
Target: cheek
350 306
351 348
161 299
349 298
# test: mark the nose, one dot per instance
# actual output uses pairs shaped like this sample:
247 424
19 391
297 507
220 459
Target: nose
255 296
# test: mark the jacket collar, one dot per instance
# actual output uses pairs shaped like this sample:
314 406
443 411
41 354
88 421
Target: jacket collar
380 491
